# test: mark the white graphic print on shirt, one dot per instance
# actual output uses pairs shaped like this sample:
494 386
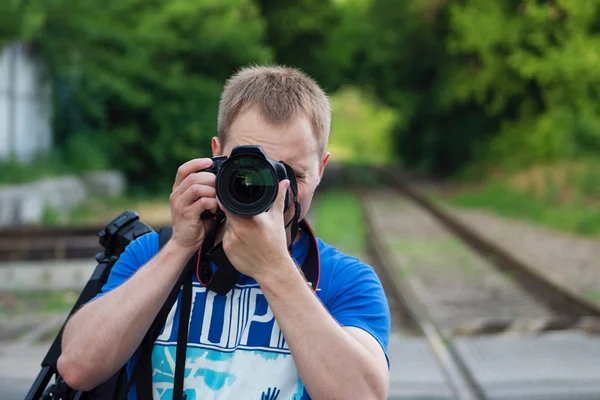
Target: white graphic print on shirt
235 350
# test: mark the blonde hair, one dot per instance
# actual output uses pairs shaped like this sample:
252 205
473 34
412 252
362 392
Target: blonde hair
280 94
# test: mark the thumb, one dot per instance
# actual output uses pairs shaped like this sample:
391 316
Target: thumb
279 203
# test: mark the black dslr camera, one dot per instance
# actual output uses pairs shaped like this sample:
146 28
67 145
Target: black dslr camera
247 181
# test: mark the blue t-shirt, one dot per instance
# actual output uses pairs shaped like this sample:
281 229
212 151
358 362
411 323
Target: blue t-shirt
235 347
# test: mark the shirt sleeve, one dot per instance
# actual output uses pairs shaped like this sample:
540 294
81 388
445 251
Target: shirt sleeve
136 255
357 299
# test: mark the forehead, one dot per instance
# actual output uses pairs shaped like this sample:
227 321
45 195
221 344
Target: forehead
293 142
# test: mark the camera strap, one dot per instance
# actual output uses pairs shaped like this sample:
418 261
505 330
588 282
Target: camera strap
295 219
224 278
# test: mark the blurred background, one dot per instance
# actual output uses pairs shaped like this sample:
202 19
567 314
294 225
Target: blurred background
501 96
496 103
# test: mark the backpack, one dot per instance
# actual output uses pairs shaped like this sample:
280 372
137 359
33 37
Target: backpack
114 238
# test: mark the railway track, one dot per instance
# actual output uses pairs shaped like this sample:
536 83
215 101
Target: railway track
500 295
54 231
45 248
404 302
567 306
49 243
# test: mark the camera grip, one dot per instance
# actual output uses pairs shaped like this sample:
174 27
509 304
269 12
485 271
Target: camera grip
213 169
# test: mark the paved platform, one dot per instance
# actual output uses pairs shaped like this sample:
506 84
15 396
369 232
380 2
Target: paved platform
553 366
414 371
557 366
19 366
415 374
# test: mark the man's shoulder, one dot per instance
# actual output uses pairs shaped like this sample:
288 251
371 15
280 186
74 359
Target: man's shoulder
334 257
339 270
147 244
353 293
139 251
136 254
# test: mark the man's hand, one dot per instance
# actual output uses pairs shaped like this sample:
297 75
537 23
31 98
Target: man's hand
193 192
256 245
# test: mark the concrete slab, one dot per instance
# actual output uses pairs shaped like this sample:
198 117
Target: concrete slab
414 372
552 366
19 366
46 275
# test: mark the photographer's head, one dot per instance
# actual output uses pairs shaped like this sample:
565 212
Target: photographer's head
286 113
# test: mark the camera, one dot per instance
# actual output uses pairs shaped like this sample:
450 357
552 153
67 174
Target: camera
247 181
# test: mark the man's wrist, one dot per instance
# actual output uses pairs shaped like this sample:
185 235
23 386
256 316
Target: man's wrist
278 273
174 247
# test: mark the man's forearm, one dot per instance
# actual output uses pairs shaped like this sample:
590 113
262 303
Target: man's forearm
331 363
103 334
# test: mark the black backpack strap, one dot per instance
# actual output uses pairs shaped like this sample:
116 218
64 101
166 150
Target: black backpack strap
182 336
142 372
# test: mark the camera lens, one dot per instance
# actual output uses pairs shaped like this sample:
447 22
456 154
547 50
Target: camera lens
247 185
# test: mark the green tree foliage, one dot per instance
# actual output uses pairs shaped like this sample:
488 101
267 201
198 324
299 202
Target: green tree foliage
403 58
475 83
481 83
142 79
298 32
9 22
534 64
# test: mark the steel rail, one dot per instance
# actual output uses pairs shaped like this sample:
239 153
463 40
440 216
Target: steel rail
561 299
461 382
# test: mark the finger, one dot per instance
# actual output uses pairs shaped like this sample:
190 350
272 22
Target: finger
187 168
231 217
279 203
195 192
205 203
196 178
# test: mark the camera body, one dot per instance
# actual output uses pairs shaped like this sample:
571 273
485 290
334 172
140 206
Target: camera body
247 181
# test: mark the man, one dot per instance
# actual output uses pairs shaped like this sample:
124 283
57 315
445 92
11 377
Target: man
271 337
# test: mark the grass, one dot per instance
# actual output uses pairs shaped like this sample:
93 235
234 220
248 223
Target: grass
42 166
563 196
79 154
434 253
594 295
338 221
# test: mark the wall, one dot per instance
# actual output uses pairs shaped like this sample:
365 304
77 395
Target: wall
25 104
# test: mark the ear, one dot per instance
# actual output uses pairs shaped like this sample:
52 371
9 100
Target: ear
323 164
216 146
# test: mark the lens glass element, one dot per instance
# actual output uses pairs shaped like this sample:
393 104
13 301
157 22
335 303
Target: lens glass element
250 180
